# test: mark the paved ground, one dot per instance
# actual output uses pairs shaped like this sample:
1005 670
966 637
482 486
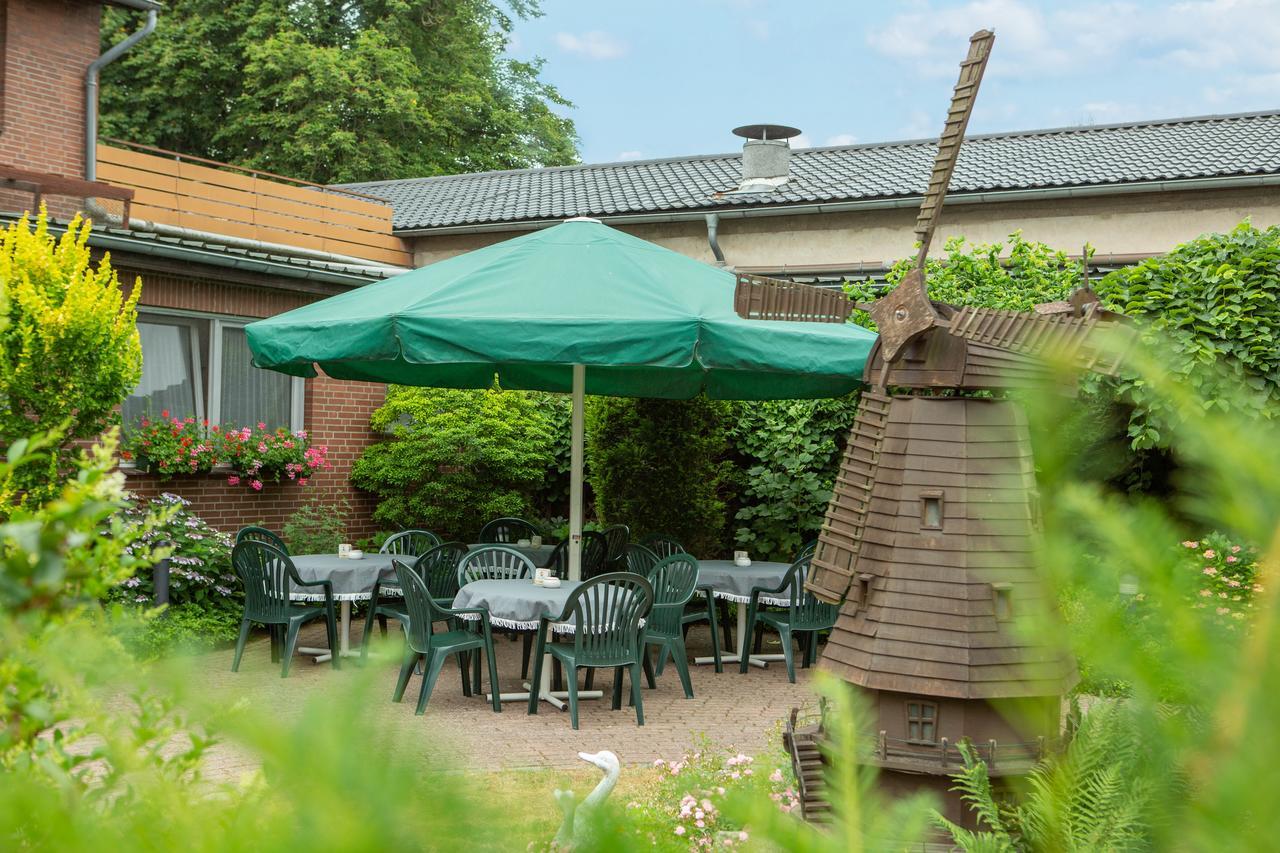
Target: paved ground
729 709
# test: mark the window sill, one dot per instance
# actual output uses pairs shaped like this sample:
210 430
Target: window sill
131 470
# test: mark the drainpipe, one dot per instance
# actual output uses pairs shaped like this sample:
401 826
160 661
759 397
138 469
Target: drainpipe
91 85
713 227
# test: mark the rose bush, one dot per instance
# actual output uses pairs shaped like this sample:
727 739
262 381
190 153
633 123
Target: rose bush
173 445
1226 574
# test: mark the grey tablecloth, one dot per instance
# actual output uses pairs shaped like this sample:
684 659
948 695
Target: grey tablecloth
733 582
539 555
516 604
352 579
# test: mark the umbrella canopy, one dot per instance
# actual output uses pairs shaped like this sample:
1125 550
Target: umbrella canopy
644 320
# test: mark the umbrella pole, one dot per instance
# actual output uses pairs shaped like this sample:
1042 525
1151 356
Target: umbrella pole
575 472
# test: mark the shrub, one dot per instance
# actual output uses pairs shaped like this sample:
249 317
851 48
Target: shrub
456 459
1214 305
70 353
789 451
181 446
657 466
318 527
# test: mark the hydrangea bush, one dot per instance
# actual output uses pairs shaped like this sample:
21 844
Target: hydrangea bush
256 456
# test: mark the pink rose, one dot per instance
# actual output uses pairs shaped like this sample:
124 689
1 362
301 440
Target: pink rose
257 485
1210 570
302 481
1190 544
233 480
1210 554
1233 559
261 425
1235 549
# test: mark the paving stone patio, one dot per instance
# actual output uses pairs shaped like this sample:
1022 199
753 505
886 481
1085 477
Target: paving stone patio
729 709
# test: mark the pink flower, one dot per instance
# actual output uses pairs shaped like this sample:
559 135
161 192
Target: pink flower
302 481
1210 554
261 425
1233 559
1232 582
679 830
1190 544
233 480
742 836
1210 570
776 775
1204 593
256 484
1235 549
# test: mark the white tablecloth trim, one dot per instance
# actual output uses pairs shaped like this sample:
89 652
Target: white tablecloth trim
514 625
746 599
319 596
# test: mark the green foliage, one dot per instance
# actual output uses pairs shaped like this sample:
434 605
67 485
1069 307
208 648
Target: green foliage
70 351
456 459
1016 275
656 466
177 629
1214 304
318 526
1096 795
789 453
551 499
337 92
168 446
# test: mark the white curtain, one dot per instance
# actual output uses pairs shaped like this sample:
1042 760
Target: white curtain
168 376
251 395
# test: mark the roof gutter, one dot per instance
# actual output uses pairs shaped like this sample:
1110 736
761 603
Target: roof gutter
851 206
91 82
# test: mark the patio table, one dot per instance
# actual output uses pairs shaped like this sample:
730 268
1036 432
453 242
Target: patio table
352 581
726 579
538 553
520 605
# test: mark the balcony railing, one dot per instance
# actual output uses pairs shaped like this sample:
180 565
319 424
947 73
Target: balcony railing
219 198
1006 757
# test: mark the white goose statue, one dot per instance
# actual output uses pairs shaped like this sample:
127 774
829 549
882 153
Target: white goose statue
573 833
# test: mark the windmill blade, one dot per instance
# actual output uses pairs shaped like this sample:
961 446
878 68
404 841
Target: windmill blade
1064 337
760 298
944 164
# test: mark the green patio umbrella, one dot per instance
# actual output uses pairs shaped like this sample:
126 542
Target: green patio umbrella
577 308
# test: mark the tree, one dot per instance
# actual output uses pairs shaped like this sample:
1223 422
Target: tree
337 91
456 459
70 352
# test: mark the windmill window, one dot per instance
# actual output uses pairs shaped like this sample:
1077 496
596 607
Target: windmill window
922 721
864 591
1002 594
1033 506
931 510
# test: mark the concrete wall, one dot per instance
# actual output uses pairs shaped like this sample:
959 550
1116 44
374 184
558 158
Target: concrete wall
1140 223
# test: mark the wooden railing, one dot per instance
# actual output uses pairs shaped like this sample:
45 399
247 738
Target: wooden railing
204 195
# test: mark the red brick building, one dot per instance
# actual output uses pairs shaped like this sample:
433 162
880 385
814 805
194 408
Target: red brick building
214 247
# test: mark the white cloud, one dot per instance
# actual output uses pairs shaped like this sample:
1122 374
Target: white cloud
593 45
801 141
631 155
841 139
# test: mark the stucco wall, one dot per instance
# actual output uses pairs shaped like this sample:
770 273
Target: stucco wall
1146 223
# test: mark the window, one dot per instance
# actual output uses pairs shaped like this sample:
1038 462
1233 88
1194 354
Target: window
864 590
1002 594
931 510
922 721
200 366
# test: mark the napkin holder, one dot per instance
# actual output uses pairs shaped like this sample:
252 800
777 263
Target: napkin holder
741 558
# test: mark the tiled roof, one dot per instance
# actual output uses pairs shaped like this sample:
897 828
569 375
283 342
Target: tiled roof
1203 147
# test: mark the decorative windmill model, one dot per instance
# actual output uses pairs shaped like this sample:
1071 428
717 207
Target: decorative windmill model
928 539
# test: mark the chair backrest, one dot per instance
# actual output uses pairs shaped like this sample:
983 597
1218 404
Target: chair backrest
265 572
411 543
494 563
606 611
507 531
261 534
595 554
662 544
673 580
807 611
558 562
438 568
640 559
616 536
420 606
807 550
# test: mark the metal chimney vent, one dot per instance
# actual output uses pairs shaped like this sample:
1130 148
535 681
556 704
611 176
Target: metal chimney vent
766 156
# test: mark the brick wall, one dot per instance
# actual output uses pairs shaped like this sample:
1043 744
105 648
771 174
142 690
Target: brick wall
336 415
48 45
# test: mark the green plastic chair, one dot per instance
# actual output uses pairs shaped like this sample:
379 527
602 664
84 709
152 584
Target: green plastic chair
261 534
410 543
558 562
673 581
438 568
662 544
595 554
608 611
507 531
806 614
494 563
807 551
434 648
616 536
268 574
640 559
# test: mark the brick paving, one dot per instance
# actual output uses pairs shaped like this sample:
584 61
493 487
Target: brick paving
729 709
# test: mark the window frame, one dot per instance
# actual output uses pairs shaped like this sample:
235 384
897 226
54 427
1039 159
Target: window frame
1002 601
926 496
919 719
209 403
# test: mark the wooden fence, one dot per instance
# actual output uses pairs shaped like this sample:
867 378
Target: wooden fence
237 202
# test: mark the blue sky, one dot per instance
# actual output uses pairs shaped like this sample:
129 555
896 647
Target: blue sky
661 78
